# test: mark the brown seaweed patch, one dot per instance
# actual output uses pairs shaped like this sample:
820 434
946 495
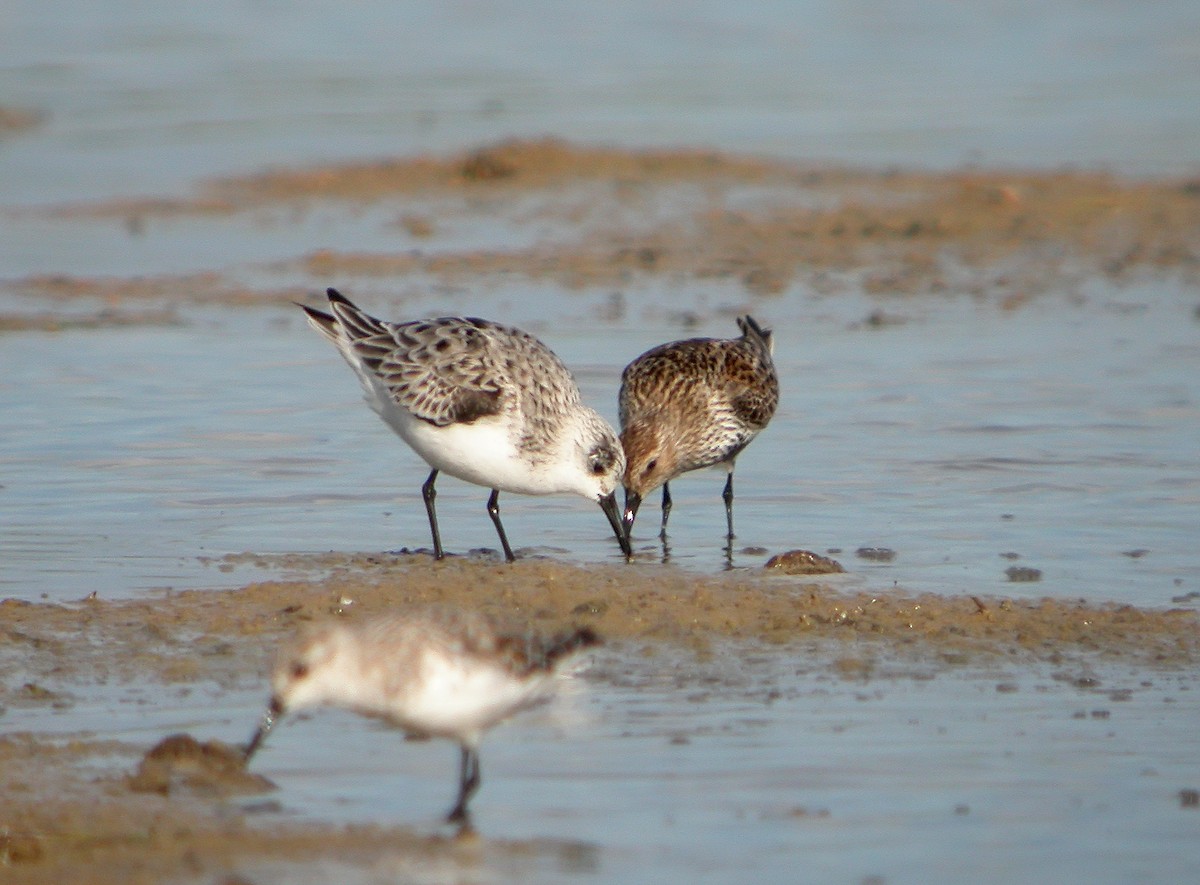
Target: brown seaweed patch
803 562
179 761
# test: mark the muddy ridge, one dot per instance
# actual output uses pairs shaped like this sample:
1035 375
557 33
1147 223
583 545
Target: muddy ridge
202 634
625 215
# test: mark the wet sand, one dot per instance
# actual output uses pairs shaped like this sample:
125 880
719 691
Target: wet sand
1003 235
71 809
63 821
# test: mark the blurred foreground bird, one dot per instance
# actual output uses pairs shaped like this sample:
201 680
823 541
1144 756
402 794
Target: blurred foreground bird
433 673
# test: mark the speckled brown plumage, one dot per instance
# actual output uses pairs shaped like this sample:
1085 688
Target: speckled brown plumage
692 404
455 370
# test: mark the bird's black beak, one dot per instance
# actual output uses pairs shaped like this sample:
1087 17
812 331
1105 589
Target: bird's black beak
632 502
609 505
274 711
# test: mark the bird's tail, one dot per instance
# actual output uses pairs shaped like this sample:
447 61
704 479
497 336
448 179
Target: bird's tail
355 322
347 321
752 331
558 649
321 321
570 643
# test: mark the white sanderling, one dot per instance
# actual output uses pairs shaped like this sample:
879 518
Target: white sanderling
692 404
433 673
486 403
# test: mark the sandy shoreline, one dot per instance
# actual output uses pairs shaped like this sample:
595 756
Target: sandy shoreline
66 822
621 217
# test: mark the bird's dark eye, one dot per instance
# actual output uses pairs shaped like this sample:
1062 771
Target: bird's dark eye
299 670
601 461
650 465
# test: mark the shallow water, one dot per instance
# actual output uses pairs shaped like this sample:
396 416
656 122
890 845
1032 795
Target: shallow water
145 100
760 765
838 782
969 440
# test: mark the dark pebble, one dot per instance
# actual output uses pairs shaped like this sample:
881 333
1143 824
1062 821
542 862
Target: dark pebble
1023 573
804 562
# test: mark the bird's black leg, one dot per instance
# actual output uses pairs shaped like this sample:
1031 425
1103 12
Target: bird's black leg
493 509
428 492
666 510
468 785
728 496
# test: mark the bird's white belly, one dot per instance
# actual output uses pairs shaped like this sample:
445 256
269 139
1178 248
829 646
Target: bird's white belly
481 452
456 700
